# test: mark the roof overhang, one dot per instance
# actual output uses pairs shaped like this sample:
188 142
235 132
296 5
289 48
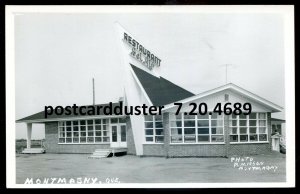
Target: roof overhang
232 87
70 118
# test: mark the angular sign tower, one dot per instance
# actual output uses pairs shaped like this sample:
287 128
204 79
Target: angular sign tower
135 53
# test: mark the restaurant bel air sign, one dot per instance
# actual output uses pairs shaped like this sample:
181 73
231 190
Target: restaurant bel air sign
140 53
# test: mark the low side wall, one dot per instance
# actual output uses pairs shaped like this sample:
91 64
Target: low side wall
153 150
196 150
249 149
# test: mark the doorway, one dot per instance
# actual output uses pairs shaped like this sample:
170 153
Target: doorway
118 136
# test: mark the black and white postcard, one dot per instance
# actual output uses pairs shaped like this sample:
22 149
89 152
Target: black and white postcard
150 96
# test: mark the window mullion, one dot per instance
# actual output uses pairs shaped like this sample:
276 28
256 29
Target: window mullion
101 130
79 131
257 126
209 127
182 127
196 130
153 118
65 131
267 126
223 128
238 126
94 132
87 133
248 129
72 135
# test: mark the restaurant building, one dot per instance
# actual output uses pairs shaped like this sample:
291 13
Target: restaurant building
168 134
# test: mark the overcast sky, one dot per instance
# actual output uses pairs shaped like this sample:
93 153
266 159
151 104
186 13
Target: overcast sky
58 54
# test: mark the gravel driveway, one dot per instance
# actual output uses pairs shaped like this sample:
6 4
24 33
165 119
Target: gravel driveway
133 169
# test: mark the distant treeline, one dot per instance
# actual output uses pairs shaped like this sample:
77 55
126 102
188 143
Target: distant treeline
21 140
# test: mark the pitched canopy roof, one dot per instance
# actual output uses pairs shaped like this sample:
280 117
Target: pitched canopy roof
160 90
40 116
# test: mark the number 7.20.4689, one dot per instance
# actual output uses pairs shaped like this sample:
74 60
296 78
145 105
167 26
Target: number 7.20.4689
227 108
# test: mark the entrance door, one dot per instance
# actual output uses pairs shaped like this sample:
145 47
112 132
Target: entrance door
118 135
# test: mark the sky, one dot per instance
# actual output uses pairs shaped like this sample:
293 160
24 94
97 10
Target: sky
58 54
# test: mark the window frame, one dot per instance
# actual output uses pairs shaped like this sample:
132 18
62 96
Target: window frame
196 119
153 128
62 125
257 126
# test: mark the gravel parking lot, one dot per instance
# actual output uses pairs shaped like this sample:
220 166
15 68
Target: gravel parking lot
133 169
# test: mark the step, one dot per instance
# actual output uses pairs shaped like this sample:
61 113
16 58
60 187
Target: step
33 151
96 157
104 153
100 153
103 150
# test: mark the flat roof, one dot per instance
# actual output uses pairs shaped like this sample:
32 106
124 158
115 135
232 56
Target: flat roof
280 120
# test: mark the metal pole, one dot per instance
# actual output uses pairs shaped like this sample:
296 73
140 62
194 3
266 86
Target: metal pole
93 92
226 74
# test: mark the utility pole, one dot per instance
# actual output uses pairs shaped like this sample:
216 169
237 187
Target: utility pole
93 91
